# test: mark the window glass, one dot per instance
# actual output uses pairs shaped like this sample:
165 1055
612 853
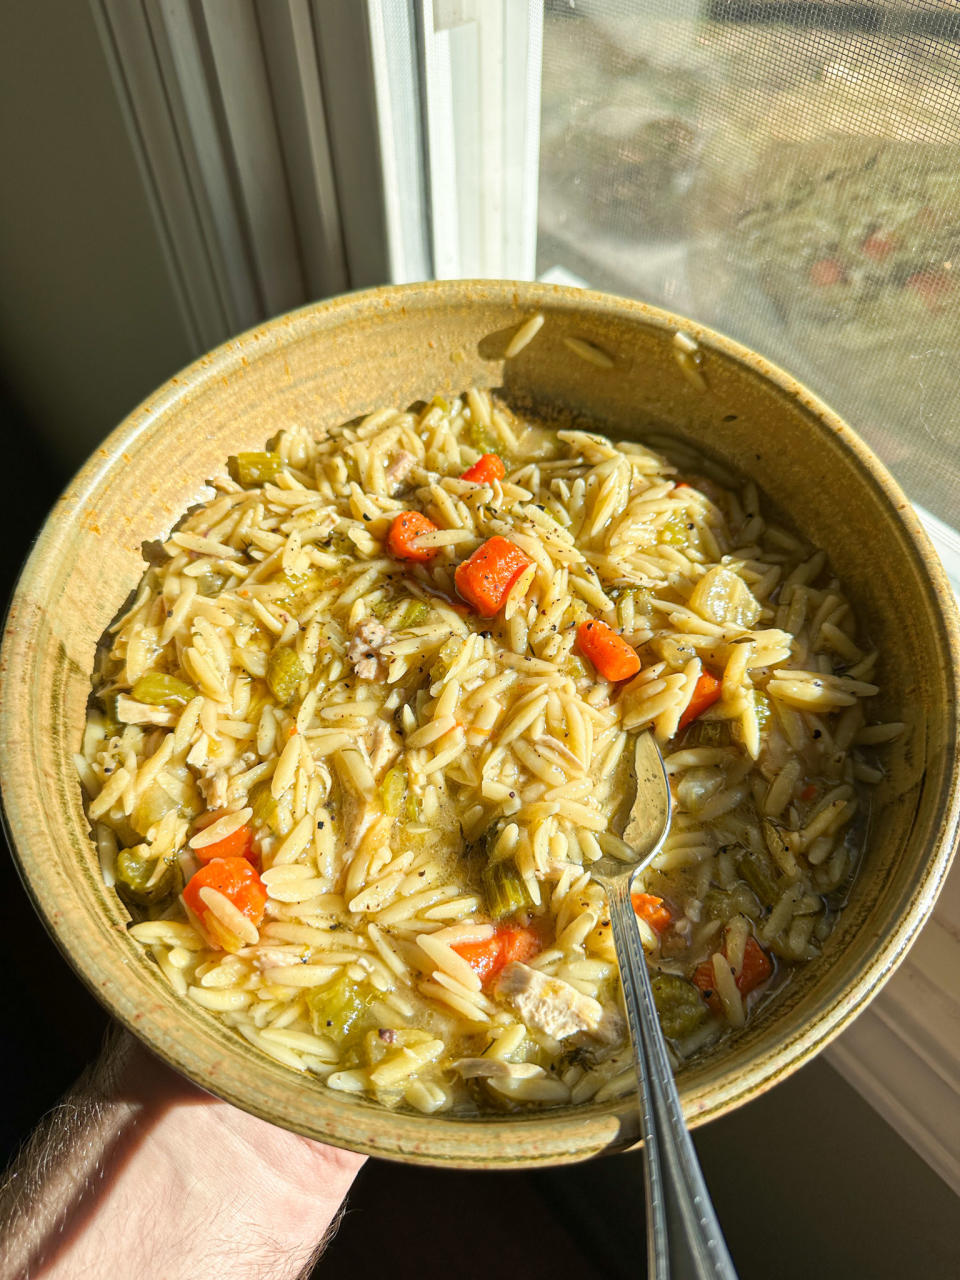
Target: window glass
787 171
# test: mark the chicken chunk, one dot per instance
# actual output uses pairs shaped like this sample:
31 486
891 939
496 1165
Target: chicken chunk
363 651
399 469
548 1004
383 746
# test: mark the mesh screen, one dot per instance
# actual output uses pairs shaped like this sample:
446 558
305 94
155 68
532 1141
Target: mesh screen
786 171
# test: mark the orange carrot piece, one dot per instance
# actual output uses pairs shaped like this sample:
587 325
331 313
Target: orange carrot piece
756 969
508 943
648 907
482 957
486 578
809 791
485 470
239 883
404 531
681 484
613 658
238 845
518 943
705 694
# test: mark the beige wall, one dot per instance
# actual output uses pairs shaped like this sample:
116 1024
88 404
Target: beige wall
89 322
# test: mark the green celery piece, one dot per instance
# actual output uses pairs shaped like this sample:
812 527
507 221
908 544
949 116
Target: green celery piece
255 468
133 876
481 438
284 673
392 790
339 1009
757 870
152 805
680 1006
504 889
264 806
159 690
415 613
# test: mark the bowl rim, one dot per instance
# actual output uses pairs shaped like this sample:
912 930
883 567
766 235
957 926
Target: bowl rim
586 1134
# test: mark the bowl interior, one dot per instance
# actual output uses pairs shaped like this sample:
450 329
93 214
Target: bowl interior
332 362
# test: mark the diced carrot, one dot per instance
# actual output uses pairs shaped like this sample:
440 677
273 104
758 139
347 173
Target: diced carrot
648 907
239 884
508 943
485 470
238 845
809 791
404 531
613 658
486 578
756 969
878 246
705 694
517 943
482 957
826 272
681 484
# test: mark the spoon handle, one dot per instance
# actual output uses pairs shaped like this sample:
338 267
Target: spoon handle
684 1240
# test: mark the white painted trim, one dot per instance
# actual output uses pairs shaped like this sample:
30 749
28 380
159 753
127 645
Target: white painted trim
481 65
226 112
395 57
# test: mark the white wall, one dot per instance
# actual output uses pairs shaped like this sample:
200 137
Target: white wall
88 320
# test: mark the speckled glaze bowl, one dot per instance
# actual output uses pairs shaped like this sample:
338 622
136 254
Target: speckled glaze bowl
328 363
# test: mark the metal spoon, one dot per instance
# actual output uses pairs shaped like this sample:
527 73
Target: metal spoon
684 1239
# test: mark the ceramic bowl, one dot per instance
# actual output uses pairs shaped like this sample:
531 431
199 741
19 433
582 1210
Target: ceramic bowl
331 362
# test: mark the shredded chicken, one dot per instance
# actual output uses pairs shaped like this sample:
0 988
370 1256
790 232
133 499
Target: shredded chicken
399 469
383 746
364 649
548 1004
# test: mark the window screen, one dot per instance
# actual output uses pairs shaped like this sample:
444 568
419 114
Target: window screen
786 171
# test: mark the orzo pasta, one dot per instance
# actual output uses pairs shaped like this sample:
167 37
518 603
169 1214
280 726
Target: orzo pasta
360 736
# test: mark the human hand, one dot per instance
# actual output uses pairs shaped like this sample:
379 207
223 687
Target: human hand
139 1172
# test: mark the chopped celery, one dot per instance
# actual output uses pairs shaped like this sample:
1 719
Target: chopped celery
151 806
718 904
504 889
284 673
401 614
298 588
111 722
759 874
481 438
210 583
412 807
392 790
159 690
136 880
264 807
707 733
382 608
416 612
255 468
679 1005
340 1008
440 403
675 533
